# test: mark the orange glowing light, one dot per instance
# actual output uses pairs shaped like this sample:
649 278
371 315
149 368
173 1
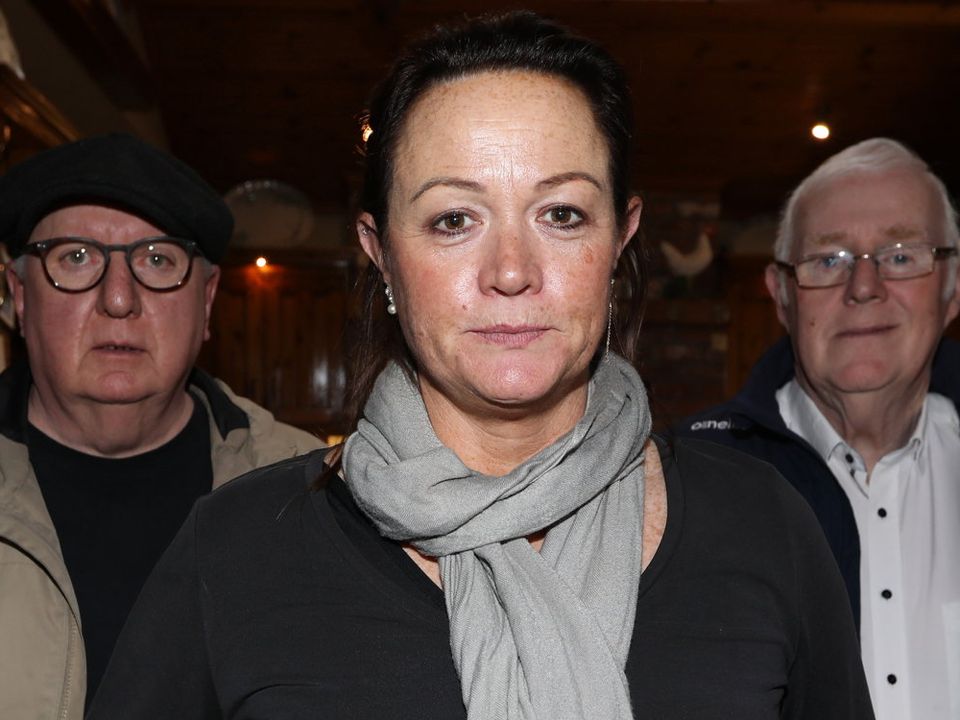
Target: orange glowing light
821 131
261 262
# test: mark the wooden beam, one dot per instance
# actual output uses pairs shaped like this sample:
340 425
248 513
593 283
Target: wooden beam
28 108
89 29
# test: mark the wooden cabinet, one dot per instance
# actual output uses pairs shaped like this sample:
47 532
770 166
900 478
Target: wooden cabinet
277 335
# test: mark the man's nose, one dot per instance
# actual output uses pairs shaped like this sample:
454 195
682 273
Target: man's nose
865 283
119 291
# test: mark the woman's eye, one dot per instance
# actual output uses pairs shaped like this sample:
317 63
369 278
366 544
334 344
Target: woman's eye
563 215
453 222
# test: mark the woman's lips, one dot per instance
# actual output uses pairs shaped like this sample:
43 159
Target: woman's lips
514 336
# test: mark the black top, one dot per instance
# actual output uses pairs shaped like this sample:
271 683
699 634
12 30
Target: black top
114 518
278 602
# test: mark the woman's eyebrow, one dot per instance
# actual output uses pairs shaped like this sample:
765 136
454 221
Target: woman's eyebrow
566 177
463 184
454 182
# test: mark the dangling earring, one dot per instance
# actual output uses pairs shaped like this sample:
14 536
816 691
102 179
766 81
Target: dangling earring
606 350
391 305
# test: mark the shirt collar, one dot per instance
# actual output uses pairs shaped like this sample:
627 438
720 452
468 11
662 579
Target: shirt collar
803 417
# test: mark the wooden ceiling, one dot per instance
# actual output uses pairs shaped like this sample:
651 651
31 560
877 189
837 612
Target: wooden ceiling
725 92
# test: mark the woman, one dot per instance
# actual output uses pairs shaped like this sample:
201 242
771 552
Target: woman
482 555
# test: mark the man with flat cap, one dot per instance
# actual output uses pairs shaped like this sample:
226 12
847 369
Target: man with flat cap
108 433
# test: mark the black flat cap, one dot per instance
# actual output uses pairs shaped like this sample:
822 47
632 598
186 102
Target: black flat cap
120 171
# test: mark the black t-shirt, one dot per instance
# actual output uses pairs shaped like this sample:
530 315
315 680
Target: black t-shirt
278 602
114 518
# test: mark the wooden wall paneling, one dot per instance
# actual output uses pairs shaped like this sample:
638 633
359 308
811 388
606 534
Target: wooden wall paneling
277 336
754 326
234 352
305 370
684 350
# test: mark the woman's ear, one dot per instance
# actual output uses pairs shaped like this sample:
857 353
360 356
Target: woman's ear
634 208
370 242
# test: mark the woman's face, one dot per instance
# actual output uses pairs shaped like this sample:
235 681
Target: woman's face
502 241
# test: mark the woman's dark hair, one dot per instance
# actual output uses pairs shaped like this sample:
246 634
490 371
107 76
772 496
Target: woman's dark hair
518 40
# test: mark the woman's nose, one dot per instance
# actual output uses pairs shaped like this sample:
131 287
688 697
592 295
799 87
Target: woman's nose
511 263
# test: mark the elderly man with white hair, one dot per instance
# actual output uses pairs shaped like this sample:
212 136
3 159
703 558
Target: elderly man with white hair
858 408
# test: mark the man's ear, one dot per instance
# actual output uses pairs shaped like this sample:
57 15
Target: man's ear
773 278
209 293
15 287
370 242
953 302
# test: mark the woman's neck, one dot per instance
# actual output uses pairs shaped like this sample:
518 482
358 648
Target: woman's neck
496 440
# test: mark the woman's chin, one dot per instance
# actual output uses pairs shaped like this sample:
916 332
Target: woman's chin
523 386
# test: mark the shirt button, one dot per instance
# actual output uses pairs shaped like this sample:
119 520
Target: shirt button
881 512
849 458
886 594
892 679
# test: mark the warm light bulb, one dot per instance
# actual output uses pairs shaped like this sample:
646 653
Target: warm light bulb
367 131
821 131
261 262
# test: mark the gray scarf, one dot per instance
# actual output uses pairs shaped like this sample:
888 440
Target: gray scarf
534 635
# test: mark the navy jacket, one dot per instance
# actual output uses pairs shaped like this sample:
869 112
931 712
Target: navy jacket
751 422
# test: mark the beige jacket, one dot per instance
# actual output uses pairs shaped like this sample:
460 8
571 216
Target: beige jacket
42 667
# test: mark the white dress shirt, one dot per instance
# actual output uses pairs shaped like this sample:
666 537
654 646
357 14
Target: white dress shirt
908 517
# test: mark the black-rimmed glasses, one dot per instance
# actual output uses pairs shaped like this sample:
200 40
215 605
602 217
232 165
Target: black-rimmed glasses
896 262
75 264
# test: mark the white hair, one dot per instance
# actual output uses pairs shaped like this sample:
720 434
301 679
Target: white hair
876 155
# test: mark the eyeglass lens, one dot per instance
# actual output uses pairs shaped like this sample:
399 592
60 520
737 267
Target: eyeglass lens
79 264
896 263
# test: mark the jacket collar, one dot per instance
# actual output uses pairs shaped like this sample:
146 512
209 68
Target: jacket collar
226 415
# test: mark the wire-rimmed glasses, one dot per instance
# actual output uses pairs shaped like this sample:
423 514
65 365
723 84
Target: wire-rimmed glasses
896 262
